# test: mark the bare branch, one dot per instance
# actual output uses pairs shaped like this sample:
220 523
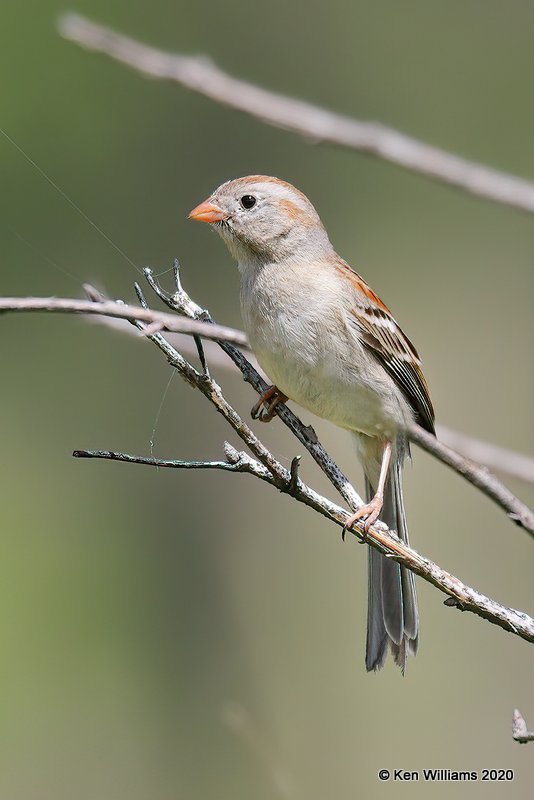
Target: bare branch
201 75
490 455
182 303
266 467
269 469
294 472
462 596
161 462
482 478
195 322
475 474
519 729
501 459
160 319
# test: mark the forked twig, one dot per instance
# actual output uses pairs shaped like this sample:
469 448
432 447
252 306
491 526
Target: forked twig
265 466
478 476
197 323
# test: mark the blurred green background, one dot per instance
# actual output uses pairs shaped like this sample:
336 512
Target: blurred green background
173 635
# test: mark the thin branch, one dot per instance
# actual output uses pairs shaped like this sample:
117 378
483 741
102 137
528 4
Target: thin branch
482 478
200 75
519 729
463 597
486 454
182 303
118 309
195 321
266 467
151 461
501 459
475 474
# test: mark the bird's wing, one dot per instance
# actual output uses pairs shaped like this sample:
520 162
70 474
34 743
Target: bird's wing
384 337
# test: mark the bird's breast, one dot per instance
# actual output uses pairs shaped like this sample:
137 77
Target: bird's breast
297 332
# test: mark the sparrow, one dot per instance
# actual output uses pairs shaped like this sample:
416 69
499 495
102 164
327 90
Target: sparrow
327 342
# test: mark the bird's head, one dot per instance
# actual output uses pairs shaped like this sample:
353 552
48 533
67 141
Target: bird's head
264 219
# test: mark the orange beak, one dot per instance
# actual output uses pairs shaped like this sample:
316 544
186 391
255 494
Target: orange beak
208 212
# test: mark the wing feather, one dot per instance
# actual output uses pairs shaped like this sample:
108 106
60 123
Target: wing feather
385 338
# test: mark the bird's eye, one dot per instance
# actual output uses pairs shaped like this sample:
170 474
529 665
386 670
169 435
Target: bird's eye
248 201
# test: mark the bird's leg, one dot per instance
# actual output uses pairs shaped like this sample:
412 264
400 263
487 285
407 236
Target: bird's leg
371 511
264 408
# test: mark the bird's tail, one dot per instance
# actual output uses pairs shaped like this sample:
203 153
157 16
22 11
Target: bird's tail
392 616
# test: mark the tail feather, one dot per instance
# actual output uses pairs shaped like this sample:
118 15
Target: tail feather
392 617
377 638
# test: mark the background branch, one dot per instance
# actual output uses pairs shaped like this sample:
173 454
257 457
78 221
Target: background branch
201 75
501 459
482 478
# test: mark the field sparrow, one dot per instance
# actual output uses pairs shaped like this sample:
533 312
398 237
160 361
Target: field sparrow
328 342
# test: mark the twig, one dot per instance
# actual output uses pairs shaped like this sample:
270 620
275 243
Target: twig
519 729
501 459
182 303
490 455
474 473
269 469
194 321
161 462
110 308
294 473
491 486
201 75
379 537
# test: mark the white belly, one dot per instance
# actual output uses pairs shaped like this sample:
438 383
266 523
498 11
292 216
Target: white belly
342 399
301 342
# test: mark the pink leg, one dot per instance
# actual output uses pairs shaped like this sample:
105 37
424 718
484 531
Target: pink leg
264 408
371 511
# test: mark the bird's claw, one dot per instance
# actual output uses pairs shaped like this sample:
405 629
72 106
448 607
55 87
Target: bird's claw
264 409
369 513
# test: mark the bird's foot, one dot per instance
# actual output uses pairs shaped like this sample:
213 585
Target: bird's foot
264 409
369 513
